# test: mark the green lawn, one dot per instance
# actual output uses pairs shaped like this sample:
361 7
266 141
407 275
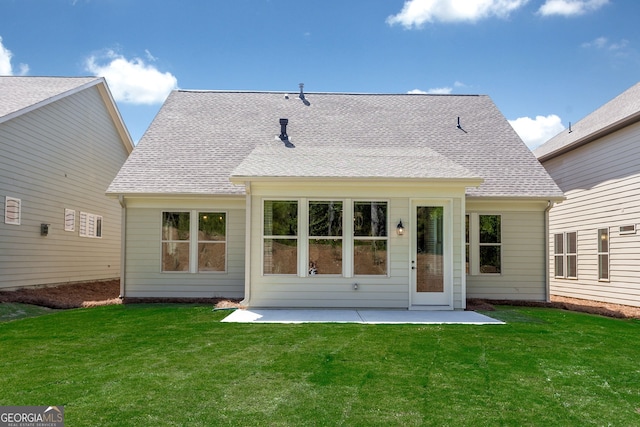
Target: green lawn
176 365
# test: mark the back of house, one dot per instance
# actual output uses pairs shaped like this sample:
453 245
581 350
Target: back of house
63 141
333 200
594 240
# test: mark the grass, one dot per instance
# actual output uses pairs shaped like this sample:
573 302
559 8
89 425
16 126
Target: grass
176 365
15 311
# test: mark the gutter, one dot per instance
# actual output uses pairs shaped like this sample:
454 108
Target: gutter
123 245
547 270
247 245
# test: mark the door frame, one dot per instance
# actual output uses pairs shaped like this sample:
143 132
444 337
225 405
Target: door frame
443 301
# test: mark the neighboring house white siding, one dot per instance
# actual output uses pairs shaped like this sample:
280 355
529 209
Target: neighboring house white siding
523 252
55 158
143 251
601 181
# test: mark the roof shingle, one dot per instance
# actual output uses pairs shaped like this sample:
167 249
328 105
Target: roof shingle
199 138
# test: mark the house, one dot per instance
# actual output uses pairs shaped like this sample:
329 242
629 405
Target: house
63 141
594 239
333 200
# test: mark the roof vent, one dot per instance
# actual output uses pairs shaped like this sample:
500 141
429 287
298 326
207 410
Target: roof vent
302 97
283 129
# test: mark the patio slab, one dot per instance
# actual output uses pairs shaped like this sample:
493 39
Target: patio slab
359 316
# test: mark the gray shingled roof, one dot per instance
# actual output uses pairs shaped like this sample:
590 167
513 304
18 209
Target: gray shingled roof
198 139
623 109
341 161
19 93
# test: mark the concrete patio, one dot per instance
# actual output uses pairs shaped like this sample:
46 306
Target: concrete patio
363 316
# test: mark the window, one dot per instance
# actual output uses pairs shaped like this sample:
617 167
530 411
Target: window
558 254
603 254
325 237
571 246
280 237
12 210
176 230
90 225
212 235
370 238
490 243
69 220
565 255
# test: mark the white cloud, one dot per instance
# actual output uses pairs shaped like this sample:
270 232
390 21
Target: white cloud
604 43
415 13
132 81
432 91
535 132
570 7
6 69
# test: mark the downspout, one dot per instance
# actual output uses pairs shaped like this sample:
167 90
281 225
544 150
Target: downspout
547 271
247 245
123 245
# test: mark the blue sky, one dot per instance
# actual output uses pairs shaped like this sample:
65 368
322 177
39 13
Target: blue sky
545 63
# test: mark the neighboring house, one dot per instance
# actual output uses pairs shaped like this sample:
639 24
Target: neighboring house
594 238
63 141
333 200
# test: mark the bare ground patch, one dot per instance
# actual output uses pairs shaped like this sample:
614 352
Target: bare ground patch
93 294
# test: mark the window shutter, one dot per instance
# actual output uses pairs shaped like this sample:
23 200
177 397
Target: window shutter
83 224
12 211
69 220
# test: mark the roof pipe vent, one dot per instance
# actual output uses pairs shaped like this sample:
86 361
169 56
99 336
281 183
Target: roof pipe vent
301 96
283 129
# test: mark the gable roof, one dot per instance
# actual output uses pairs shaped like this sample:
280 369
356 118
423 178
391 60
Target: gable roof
621 111
19 95
200 138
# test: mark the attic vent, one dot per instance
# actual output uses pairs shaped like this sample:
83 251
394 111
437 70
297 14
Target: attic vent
283 129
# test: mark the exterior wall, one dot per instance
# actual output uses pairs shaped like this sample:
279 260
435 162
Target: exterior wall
60 156
391 291
143 277
601 181
523 252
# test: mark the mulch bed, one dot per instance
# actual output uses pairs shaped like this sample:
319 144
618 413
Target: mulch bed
92 294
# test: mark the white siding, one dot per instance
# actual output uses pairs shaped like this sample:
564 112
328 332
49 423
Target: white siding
60 156
523 253
601 181
143 276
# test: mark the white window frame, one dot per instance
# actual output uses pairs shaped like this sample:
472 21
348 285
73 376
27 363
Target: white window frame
297 237
196 214
90 225
341 237
558 257
474 243
602 253
194 223
565 255
12 210
69 220
353 236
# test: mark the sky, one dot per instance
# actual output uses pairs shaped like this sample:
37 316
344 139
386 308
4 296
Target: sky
545 63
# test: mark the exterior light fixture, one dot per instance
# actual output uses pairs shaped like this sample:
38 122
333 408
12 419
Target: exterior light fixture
400 229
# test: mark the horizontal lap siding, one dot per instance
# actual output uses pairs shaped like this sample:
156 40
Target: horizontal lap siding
523 268
60 156
144 278
602 185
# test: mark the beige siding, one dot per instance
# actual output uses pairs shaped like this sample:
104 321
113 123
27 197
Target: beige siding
601 181
60 156
144 278
523 253
391 291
